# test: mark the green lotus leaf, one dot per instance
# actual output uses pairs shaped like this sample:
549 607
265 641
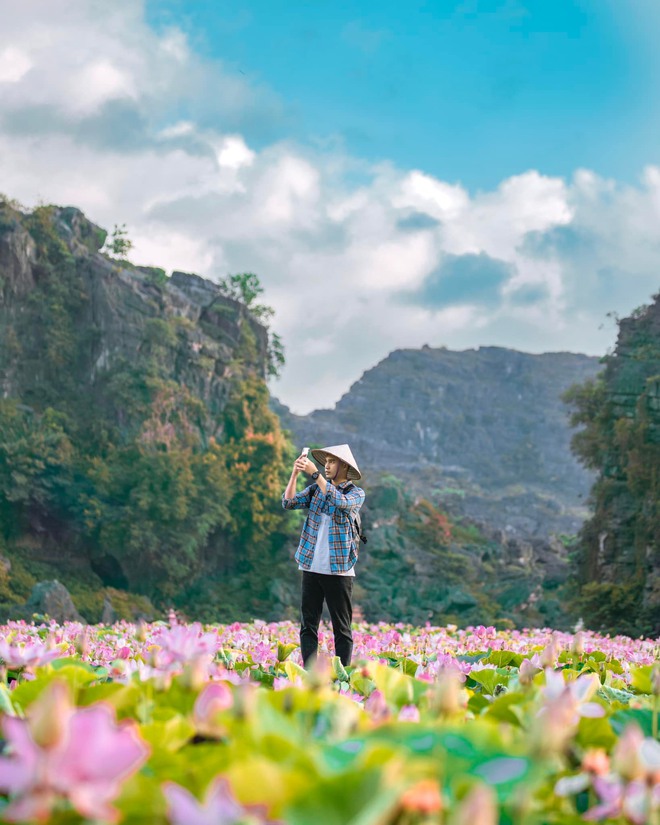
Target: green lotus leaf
362 796
595 732
285 650
123 698
488 679
168 731
639 716
641 678
6 704
408 666
507 708
339 670
504 658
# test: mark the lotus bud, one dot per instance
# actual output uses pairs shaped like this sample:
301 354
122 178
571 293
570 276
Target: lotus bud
409 713
655 679
578 643
596 761
626 757
424 797
478 808
448 698
48 717
527 671
650 755
215 698
244 699
377 707
195 673
320 674
548 655
141 631
82 642
162 681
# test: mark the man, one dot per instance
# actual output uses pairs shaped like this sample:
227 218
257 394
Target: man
328 545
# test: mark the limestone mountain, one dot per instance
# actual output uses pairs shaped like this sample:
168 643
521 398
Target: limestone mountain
134 424
618 558
485 429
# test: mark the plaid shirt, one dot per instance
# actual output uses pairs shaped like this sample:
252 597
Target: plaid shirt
340 507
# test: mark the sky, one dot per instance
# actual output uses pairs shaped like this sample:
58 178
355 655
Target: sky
456 173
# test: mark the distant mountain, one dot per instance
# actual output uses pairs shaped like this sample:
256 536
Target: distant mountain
486 429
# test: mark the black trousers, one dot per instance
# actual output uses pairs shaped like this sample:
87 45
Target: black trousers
337 592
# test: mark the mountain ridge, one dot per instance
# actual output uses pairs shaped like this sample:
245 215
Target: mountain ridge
486 421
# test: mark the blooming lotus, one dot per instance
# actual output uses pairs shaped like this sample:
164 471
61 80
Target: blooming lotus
572 697
219 807
31 654
564 703
215 698
634 800
182 643
62 753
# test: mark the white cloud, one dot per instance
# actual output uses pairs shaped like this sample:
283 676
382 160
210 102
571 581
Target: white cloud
13 65
106 114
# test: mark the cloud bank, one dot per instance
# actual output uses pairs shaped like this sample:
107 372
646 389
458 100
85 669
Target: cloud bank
100 111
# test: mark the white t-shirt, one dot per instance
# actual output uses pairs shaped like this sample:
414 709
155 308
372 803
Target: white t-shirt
321 559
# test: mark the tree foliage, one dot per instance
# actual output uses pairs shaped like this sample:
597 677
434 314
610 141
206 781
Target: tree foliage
617 560
125 469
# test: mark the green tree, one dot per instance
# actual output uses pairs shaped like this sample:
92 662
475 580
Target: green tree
119 244
618 549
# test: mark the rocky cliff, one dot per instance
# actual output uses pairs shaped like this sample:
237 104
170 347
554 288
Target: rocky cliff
619 552
120 311
135 432
485 429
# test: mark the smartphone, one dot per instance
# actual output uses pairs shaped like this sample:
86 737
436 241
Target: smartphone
305 452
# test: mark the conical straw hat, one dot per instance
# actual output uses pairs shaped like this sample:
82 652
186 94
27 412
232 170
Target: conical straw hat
343 453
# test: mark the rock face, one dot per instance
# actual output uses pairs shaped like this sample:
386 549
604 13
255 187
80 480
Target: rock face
486 428
619 562
125 396
124 309
52 599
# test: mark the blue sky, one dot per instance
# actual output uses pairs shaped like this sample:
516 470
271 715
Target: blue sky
468 90
398 174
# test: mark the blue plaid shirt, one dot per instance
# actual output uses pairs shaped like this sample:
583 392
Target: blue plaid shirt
340 506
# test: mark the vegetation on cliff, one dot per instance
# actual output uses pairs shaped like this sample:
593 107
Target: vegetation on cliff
425 562
617 558
141 464
117 471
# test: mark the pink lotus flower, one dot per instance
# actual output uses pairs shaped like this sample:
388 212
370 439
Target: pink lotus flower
60 752
634 800
377 707
215 698
29 655
564 704
219 807
409 713
184 642
527 671
479 807
572 697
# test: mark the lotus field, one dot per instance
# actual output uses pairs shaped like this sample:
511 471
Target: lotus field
206 725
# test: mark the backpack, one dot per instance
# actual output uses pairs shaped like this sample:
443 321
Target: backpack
356 523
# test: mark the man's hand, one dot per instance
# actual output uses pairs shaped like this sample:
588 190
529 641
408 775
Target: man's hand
303 465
